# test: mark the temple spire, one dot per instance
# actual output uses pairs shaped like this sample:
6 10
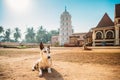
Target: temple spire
65 8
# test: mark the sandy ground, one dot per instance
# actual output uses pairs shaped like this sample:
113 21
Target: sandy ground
68 64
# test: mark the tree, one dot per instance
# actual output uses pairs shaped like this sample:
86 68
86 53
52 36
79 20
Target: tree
41 35
45 36
51 33
17 34
30 36
1 29
54 32
7 35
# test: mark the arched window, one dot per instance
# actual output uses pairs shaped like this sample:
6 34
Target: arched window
98 35
109 35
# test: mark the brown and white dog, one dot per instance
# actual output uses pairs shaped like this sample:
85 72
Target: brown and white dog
45 60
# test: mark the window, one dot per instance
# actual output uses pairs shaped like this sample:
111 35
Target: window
98 35
67 34
109 35
63 24
66 18
66 23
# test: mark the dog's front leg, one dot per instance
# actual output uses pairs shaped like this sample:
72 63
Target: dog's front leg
40 72
33 67
49 70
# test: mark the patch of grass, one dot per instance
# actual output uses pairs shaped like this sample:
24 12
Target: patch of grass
17 46
21 47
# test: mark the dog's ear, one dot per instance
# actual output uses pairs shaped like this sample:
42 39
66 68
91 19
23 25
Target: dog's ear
41 45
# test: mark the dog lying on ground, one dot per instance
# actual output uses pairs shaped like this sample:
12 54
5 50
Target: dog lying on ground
45 61
86 48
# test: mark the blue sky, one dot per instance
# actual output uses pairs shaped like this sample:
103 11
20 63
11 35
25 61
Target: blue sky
34 13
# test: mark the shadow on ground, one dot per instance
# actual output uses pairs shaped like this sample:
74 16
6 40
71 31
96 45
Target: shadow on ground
55 75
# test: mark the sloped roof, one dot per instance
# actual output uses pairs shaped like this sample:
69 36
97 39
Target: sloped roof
117 10
105 21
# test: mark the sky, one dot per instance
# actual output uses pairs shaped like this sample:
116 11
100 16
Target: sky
86 14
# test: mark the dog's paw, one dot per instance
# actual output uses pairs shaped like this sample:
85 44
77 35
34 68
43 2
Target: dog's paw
49 70
33 69
40 75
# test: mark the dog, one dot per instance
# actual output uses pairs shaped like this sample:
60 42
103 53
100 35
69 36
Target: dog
86 48
45 61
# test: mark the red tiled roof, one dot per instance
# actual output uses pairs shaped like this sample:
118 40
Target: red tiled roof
117 10
105 21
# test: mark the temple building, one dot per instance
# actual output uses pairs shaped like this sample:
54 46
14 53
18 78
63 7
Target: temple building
65 27
107 32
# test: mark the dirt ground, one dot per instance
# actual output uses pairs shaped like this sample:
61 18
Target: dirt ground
68 64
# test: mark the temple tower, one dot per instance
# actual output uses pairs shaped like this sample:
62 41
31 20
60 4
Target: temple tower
65 27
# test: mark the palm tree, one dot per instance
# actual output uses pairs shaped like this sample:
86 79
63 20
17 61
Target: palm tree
41 35
7 35
30 36
17 34
1 29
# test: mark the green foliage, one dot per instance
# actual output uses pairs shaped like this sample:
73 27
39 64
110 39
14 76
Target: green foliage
45 36
7 35
30 36
41 35
54 32
17 34
1 29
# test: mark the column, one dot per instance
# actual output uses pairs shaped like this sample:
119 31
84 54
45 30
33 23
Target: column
93 38
104 34
116 35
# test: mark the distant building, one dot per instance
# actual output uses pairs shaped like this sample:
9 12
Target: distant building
54 40
77 39
88 39
65 27
107 32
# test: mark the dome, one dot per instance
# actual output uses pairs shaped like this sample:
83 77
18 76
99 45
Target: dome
65 13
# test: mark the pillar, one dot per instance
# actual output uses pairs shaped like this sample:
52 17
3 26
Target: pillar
93 37
116 35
